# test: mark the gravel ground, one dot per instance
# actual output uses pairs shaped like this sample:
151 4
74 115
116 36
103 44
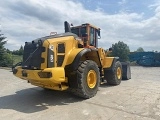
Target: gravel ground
134 99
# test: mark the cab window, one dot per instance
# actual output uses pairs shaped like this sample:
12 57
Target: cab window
75 31
92 36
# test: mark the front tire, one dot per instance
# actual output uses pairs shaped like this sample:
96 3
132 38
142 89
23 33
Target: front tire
114 76
88 79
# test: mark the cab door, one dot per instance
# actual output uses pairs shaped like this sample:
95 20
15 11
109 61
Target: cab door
93 37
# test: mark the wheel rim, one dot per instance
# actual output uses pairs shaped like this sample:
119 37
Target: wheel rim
91 79
119 73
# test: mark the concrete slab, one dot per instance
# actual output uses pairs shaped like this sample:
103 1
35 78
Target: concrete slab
135 99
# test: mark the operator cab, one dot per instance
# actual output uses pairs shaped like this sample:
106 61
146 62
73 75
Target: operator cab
88 33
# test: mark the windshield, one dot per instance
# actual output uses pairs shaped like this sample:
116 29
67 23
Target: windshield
79 31
83 30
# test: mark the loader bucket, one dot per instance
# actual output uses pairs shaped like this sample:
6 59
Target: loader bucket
126 71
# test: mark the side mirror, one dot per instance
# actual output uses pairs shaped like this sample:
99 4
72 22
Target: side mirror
99 33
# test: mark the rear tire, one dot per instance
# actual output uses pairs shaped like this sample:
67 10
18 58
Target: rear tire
126 71
114 76
87 80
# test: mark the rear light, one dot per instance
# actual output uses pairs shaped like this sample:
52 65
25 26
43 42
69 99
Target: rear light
45 74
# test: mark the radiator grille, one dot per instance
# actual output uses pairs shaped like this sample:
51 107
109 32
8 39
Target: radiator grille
61 48
60 54
60 60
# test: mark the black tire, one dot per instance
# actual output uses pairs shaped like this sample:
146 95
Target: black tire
126 71
114 76
87 80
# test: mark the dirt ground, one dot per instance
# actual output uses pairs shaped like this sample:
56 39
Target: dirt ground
134 99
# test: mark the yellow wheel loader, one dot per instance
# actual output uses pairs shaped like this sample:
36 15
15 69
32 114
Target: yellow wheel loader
69 61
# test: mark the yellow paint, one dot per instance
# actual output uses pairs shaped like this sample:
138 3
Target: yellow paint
71 48
58 77
93 55
71 56
91 79
119 73
50 85
107 62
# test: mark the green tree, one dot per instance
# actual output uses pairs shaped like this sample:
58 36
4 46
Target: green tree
2 42
18 52
120 50
8 51
2 49
5 58
140 49
21 50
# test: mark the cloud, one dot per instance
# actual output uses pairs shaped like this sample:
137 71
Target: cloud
122 2
27 20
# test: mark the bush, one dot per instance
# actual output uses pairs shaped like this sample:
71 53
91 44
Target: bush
7 60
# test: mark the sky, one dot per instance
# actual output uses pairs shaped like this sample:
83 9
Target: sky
135 22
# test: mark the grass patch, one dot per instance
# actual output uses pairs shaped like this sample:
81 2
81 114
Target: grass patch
16 59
